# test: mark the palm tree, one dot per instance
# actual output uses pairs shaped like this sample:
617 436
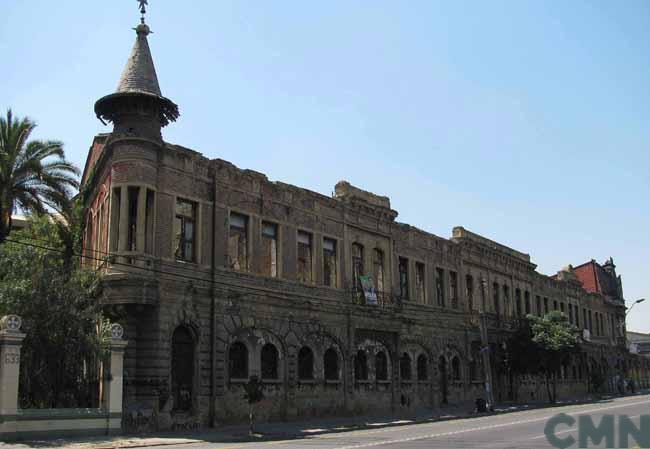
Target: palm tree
34 175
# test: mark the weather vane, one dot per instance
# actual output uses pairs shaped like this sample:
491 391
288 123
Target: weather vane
143 8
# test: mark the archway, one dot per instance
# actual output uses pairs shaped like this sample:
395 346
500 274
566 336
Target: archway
182 368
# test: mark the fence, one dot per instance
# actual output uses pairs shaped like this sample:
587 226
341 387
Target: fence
16 423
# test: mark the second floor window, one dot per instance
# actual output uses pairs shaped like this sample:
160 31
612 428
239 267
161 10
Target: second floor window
185 231
453 288
357 265
440 286
329 262
270 249
378 269
304 257
419 282
238 242
469 291
403 267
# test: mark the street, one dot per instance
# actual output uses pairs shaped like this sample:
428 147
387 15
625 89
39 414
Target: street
521 430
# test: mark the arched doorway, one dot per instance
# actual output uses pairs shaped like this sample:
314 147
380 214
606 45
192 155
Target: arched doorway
442 371
182 368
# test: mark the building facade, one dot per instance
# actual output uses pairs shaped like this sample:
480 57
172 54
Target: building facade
218 273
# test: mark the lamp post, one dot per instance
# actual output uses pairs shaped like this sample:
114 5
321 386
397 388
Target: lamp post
638 301
621 324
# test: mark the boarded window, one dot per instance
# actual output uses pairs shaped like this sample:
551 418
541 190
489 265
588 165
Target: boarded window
419 282
455 368
527 302
329 262
238 361
403 267
331 364
423 371
405 367
440 286
182 368
269 359
149 221
305 363
378 269
361 366
453 289
357 265
381 366
185 230
495 292
238 242
305 257
269 250
469 291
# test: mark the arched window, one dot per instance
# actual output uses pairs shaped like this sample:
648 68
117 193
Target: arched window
331 364
238 361
361 366
455 368
442 372
182 368
405 367
305 363
357 265
381 366
422 367
378 269
269 362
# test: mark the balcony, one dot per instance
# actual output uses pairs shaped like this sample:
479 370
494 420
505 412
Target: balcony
374 299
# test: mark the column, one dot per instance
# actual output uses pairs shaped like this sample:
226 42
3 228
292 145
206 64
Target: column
10 342
123 244
112 392
141 224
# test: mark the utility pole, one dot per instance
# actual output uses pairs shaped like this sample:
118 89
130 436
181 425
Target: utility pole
485 349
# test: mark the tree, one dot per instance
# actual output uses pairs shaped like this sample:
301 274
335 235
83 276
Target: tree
541 345
253 393
67 335
34 175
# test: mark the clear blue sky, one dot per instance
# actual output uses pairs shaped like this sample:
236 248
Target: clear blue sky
527 122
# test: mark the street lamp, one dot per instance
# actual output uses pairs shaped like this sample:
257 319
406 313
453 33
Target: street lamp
638 301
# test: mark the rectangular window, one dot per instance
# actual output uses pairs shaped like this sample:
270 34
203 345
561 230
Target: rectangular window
148 223
585 322
403 267
269 249
329 262
527 302
469 291
495 292
591 323
185 230
538 305
305 273
545 306
440 286
570 314
378 269
562 307
506 300
133 218
419 282
453 289
518 301
554 305
577 315
238 242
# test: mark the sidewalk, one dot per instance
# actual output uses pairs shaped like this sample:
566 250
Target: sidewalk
277 430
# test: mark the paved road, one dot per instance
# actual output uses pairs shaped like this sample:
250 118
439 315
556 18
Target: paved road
520 430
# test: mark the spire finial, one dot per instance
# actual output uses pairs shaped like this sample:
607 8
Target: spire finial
143 9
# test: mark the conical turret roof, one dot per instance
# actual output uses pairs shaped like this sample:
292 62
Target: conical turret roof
139 74
138 79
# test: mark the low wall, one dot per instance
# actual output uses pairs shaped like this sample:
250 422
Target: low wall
39 423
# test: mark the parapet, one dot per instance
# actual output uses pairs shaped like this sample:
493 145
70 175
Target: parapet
346 191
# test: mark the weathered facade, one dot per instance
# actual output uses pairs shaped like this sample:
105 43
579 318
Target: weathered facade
218 274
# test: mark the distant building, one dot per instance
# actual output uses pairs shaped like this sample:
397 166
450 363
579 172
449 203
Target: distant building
639 343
